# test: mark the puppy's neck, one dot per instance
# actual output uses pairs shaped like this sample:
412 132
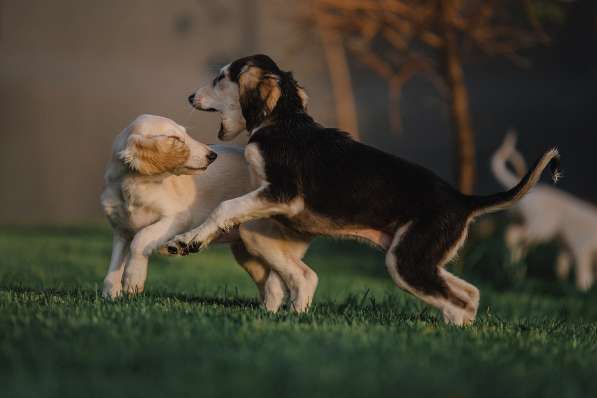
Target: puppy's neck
263 124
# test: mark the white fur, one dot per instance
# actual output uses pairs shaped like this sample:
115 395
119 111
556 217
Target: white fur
290 271
147 210
224 98
250 209
550 213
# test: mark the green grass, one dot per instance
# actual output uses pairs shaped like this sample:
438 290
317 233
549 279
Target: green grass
198 330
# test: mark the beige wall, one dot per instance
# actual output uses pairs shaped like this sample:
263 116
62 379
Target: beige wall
74 73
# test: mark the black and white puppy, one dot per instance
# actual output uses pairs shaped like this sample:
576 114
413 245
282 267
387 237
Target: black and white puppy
318 181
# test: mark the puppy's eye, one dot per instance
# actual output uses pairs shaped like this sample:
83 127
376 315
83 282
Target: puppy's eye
218 79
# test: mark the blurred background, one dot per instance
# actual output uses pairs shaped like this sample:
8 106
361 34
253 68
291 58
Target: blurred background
439 82
434 86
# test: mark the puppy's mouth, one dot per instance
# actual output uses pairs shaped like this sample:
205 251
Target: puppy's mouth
196 168
199 108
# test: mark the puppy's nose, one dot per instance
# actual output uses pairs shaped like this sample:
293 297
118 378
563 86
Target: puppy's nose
192 99
211 157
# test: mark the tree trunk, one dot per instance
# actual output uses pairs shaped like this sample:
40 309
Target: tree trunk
459 101
335 55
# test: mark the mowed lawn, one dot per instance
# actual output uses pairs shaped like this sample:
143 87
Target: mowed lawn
199 331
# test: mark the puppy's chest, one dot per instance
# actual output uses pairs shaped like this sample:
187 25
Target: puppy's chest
145 203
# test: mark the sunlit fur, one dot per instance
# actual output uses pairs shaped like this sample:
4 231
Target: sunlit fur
223 95
158 184
318 181
155 155
549 213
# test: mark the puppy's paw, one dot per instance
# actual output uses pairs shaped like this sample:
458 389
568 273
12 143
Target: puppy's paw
458 317
167 250
177 247
584 284
185 244
111 291
133 285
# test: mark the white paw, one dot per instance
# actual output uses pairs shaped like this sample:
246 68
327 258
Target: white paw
301 303
273 299
188 243
274 292
134 283
111 290
584 283
458 317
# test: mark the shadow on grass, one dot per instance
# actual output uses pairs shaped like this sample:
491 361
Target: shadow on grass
92 230
230 301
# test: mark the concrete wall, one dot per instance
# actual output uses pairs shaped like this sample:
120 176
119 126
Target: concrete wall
74 73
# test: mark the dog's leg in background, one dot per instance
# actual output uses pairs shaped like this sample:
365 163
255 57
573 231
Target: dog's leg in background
516 240
143 245
563 265
113 280
283 251
584 270
272 291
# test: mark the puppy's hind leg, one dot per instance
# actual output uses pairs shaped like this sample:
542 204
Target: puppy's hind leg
563 265
275 292
283 250
414 260
272 291
465 292
516 241
584 271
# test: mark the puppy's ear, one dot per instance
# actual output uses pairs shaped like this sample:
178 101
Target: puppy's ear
303 95
254 83
249 78
155 155
269 92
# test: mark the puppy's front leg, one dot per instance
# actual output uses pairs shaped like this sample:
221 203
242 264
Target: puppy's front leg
143 245
229 213
113 280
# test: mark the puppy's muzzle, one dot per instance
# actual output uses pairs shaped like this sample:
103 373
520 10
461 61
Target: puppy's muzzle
211 157
198 105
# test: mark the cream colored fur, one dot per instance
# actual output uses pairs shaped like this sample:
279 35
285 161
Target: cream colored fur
549 213
300 280
158 184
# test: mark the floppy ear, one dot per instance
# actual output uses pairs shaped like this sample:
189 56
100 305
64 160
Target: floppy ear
249 78
155 155
303 95
253 81
269 91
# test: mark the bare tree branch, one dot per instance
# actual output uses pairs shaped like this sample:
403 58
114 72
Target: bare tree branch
398 39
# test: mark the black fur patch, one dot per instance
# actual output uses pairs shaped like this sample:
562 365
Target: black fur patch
354 185
253 105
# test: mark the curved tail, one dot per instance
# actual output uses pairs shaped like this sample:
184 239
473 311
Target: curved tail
500 201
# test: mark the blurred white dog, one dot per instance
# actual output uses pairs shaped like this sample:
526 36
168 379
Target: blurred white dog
549 213
158 185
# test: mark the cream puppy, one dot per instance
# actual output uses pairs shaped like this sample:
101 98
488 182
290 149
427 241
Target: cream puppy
158 185
549 213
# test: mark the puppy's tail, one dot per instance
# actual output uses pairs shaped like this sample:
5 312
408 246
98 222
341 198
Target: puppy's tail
500 201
